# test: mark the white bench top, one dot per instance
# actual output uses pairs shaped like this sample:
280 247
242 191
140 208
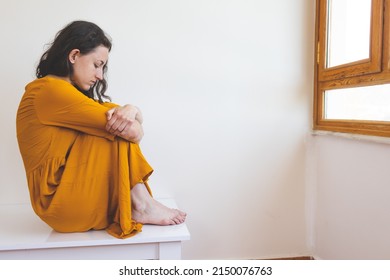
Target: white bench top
21 229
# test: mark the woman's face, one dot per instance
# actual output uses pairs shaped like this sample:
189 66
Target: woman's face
88 68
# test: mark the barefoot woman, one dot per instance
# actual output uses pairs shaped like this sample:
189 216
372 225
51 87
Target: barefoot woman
83 163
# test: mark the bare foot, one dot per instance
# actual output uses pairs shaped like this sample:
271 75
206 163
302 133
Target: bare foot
146 210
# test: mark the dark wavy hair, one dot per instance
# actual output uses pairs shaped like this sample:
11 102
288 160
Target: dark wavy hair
82 35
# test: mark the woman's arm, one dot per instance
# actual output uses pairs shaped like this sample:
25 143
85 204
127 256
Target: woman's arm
58 103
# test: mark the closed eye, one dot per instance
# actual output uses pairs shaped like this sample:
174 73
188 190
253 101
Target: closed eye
99 64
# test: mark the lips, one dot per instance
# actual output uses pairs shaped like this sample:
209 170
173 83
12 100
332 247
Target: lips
90 84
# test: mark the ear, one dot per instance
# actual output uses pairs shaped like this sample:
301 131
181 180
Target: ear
73 55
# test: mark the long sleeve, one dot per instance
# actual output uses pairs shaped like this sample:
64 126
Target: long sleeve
61 104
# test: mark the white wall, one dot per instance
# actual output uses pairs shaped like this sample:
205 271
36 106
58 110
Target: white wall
225 87
352 199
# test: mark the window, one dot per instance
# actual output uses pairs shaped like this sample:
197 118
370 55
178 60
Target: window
352 71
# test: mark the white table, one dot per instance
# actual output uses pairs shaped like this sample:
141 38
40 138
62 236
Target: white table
24 236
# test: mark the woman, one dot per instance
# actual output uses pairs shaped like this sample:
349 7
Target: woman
83 164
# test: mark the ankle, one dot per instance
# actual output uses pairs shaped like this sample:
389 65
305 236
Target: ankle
140 198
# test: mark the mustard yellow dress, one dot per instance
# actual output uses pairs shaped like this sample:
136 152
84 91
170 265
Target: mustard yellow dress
79 175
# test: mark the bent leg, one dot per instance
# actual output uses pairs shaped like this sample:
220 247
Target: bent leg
104 186
94 192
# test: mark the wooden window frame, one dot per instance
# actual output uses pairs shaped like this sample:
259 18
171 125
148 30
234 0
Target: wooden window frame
372 71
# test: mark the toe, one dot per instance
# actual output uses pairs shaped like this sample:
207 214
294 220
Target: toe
179 220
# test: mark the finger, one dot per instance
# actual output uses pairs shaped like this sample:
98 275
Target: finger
122 127
109 113
109 125
110 119
117 122
115 126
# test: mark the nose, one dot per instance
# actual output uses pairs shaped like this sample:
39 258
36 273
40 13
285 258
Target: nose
99 74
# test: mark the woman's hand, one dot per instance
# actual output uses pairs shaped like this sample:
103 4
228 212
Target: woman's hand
132 133
126 122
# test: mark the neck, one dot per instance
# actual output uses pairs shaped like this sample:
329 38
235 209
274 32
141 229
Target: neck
67 79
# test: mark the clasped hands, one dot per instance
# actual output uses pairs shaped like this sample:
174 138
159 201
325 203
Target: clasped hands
125 122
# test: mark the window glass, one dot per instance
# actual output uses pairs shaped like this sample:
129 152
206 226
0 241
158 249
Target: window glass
348 36
370 103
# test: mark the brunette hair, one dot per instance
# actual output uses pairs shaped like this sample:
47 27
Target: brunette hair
82 35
